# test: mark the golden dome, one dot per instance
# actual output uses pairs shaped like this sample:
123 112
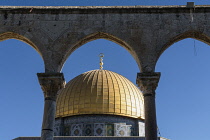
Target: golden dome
100 92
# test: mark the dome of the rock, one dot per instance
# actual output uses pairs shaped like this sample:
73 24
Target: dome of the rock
100 92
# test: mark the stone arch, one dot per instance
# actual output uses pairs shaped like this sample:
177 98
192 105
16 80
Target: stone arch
19 65
12 35
185 73
101 35
189 34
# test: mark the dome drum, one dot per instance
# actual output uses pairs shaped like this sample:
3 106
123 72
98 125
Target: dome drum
108 125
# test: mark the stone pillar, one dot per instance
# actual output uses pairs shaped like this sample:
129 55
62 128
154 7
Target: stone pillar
148 83
50 83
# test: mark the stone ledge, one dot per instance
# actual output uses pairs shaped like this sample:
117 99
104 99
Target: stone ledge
102 9
97 7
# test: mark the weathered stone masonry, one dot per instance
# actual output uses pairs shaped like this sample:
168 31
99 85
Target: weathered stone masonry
145 31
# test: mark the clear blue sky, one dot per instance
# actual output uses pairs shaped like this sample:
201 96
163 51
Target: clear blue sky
182 95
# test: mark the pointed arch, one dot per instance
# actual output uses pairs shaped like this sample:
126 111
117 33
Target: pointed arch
19 86
101 35
184 78
189 34
12 35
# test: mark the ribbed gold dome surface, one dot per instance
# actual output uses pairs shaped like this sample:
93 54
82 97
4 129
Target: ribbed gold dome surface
100 92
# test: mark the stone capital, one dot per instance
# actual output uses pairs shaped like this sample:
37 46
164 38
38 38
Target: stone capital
148 82
51 83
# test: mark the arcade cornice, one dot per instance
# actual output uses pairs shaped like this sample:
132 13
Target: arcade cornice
103 9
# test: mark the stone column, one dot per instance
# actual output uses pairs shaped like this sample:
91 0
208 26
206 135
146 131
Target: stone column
50 83
148 83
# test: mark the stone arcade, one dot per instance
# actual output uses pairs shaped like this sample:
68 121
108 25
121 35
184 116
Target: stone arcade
144 31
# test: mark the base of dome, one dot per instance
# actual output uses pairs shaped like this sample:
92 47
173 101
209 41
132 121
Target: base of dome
98 125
